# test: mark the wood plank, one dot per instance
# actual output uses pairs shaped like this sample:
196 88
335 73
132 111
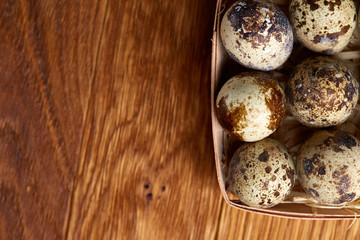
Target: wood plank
238 224
47 60
147 169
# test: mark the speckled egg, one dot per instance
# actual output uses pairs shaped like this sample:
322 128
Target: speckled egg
257 34
323 26
250 106
322 92
261 174
328 167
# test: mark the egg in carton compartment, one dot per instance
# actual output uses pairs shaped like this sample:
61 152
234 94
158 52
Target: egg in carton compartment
291 133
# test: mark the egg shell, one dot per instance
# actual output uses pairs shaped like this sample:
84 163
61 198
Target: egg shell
261 174
322 92
323 26
328 167
257 34
250 106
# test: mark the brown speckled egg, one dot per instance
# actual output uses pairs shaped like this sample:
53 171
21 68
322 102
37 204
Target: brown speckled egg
250 106
261 174
323 26
322 92
328 167
257 34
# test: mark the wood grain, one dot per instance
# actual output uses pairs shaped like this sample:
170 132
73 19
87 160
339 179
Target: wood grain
237 224
47 61
146 167
105 126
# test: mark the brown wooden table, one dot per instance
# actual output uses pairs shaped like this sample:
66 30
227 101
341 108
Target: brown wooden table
105 126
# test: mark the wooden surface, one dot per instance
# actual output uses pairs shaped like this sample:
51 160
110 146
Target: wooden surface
105 126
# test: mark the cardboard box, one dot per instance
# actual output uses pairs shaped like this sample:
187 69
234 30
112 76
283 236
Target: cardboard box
222 68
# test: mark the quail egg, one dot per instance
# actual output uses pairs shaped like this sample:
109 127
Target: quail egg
322 92
323 26
250 106
257 34
328 167
261 174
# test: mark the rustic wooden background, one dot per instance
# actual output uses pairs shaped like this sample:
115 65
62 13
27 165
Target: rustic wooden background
105 126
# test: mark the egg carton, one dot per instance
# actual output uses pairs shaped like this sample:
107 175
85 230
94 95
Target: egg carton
291 133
